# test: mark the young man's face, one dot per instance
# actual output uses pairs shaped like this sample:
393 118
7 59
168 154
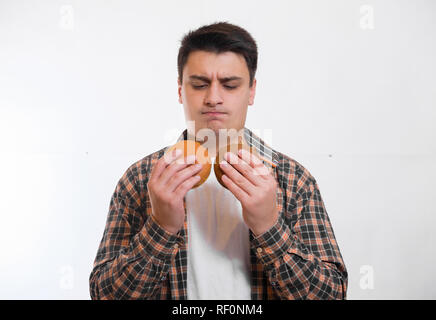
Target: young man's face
216 83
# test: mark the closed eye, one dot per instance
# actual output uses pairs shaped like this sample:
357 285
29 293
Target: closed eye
205 85
230 87
198 87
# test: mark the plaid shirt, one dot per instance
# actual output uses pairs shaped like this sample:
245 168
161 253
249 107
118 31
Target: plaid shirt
297 258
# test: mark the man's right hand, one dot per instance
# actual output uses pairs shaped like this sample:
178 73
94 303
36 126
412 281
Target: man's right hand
170 180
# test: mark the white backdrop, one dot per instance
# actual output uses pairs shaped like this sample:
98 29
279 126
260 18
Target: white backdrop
89 87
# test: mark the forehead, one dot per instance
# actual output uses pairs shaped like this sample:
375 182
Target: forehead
212 64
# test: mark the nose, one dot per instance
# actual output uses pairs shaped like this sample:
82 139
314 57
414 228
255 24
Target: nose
213 95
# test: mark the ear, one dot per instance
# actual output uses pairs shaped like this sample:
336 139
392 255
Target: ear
179 90
252 93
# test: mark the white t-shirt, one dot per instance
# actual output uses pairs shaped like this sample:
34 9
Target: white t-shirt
218 244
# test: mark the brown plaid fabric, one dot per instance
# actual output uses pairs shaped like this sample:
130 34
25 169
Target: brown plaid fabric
298 258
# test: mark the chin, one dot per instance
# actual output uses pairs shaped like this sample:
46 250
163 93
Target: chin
216 126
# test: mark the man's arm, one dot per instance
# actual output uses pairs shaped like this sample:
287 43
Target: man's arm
303 261
134 257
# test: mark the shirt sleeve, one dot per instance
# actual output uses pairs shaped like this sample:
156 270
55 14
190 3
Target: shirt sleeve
303 261
134 257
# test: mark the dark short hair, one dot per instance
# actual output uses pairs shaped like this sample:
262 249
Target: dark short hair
217 38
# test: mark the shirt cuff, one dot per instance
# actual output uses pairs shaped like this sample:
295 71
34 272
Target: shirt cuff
158 242
272 244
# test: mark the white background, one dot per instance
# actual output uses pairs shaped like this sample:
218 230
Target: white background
89 87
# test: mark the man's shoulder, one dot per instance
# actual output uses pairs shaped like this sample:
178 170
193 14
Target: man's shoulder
144 165
138 172
291 171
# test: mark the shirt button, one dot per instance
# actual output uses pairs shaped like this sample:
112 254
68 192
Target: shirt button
259 250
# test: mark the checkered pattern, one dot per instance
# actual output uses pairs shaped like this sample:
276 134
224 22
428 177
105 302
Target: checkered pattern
297 258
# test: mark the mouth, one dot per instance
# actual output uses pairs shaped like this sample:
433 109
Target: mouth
213 114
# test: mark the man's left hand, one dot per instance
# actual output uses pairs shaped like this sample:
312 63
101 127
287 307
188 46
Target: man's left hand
251 183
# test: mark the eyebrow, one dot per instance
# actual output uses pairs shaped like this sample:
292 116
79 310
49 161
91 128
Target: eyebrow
207 80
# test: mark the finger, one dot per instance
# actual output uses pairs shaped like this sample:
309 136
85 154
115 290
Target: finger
181 176
237 191
259 169
244 168
253 160
187 185
237 178
163 162
174 167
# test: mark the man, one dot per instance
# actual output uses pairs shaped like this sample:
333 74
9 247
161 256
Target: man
263 236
